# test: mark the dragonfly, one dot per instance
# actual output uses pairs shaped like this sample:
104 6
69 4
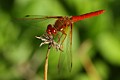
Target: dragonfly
59 30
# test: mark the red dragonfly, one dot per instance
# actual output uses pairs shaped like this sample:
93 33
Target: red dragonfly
61 25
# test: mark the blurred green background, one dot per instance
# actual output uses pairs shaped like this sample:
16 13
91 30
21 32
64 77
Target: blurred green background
96 41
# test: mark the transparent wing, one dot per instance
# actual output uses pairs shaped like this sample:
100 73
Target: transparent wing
69 49
41 17
65 59
36 20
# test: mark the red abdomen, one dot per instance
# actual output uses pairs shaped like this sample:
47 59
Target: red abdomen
88 15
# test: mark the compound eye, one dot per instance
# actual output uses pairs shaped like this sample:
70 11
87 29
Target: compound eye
53 30
49 28
48 31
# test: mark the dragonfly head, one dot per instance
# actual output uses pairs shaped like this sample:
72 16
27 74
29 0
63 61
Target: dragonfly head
51 30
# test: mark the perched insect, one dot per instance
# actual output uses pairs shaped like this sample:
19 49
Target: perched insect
60 26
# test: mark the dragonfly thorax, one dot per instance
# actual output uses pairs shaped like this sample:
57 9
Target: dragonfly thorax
62 23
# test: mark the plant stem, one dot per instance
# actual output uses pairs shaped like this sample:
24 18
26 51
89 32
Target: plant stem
46 64
86 61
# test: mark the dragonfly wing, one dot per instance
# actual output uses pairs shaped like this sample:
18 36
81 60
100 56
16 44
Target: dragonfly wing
36 20
65 59
69 49
39 17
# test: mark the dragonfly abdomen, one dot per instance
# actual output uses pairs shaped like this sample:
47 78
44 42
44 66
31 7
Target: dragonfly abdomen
88 15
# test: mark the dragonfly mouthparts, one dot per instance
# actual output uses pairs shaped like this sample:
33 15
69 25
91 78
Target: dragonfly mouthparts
48 39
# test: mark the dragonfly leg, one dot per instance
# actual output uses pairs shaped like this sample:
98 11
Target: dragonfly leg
63 33
59 37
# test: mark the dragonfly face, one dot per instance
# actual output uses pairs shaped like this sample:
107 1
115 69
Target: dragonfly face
51 30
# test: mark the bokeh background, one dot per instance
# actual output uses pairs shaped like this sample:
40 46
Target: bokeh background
96 41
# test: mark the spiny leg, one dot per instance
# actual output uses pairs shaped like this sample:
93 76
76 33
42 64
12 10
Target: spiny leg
63 33
59 38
